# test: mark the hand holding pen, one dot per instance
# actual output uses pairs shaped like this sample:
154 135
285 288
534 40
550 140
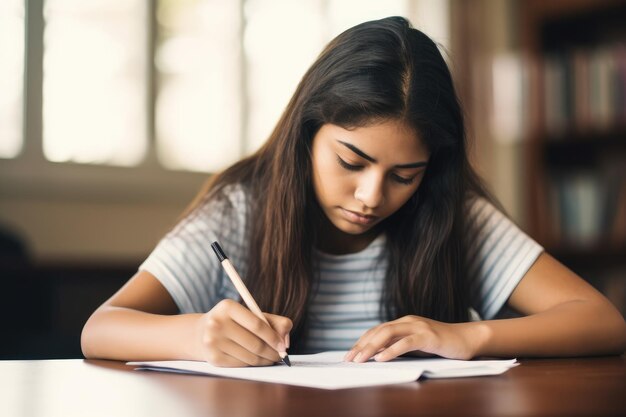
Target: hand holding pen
233 335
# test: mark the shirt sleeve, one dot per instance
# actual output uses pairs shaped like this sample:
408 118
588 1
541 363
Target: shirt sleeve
184 262
499 255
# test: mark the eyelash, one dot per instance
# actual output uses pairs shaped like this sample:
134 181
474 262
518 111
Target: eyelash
348 166
396 178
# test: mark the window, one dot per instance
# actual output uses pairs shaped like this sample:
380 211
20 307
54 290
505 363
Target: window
94 81
11 76
282 38
198 106
169 85
227 70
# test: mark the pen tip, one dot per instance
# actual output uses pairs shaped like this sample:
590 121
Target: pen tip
286 360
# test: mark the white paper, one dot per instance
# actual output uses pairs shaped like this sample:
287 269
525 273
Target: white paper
327 370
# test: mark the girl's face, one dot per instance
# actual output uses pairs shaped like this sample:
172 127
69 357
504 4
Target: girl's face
363 175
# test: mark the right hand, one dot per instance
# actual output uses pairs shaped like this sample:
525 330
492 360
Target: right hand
231 335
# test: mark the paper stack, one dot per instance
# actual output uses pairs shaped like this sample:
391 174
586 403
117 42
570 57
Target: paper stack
314 370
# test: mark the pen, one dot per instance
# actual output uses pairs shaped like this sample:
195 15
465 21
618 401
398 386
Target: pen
243 291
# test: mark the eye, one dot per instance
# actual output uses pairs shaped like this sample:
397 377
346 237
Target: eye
402 180
348 166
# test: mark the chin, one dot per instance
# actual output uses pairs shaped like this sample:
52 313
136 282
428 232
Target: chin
353 229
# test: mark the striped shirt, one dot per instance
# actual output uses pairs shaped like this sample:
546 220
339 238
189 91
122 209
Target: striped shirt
346 300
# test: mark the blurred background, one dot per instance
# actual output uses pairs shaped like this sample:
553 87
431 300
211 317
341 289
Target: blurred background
114 112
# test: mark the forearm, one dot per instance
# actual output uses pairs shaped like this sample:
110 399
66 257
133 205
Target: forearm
125 334
575 328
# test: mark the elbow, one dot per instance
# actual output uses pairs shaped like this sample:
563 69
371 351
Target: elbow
617 329
609 329
87 338
622 337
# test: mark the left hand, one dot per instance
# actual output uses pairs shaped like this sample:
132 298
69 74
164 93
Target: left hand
415 334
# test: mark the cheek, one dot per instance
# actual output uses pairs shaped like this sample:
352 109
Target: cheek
331 181
402 196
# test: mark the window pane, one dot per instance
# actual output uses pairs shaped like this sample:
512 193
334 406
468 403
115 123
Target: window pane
198 108
94 81
344 14
282 39
11 76
433 18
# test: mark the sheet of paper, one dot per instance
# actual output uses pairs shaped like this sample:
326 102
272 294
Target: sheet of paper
314 370
335 358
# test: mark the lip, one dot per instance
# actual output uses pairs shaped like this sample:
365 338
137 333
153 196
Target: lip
359 218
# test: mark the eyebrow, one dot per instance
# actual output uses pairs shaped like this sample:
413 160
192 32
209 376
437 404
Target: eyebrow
369 158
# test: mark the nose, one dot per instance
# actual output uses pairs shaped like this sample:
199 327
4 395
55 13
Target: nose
370 190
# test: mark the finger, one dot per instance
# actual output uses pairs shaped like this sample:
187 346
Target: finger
224 360
281 324
356 348
363 340
421 338
240 353
411 343
251 342
355 352
256 326
230 354
380 339
219 330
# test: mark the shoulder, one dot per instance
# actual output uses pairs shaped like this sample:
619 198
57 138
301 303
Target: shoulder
491 237
229 200
236 196
223 210
478 205
498 254
489 229
481 214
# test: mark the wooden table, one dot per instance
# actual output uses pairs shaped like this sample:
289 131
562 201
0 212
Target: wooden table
540 387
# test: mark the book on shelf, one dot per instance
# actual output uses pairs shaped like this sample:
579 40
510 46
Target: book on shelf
587 209
578 89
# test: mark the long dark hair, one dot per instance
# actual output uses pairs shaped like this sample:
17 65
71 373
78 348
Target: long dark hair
378 70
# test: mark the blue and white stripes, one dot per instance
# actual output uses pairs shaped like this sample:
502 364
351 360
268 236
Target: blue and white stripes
346 299
498 257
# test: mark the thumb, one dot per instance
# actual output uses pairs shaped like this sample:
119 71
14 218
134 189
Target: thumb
281 324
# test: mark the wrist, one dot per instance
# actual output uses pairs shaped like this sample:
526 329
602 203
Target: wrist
477 335
189 346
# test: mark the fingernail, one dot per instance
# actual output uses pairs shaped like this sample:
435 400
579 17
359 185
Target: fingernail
348 356
281 347
378 357
357 357
287 340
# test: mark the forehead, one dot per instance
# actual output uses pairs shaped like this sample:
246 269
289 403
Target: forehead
388 139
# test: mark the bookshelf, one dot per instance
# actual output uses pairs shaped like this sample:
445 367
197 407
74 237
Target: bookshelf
575 143
574 135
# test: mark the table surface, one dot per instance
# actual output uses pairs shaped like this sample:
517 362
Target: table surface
538 387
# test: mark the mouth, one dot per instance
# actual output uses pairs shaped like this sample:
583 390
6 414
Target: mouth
359 218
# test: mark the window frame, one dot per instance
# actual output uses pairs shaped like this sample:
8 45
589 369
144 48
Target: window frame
31 175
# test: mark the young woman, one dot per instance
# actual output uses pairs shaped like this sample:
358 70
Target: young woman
358 226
